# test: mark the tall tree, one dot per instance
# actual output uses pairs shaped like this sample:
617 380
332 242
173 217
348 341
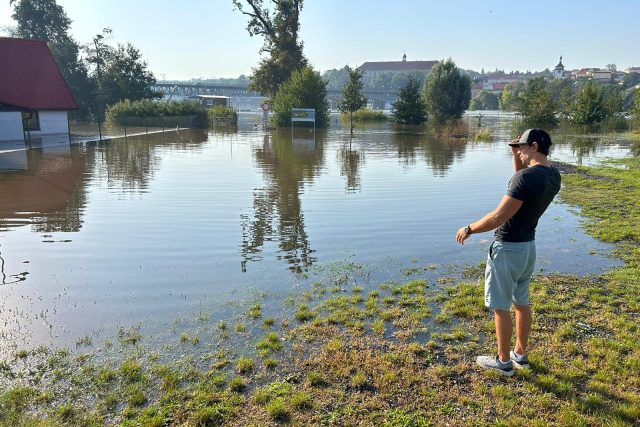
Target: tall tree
447 91
536 103
352 97
126 76
46 20
278 23
410 108
589 107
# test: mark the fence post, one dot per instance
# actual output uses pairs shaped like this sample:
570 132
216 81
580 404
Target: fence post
146 126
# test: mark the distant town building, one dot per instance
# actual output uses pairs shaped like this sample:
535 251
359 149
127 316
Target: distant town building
602 76
495 82
632 70
558 72
34 97
373 69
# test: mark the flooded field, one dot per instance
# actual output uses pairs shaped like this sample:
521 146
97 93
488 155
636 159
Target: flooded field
154 229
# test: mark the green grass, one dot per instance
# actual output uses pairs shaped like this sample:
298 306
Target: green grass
366 115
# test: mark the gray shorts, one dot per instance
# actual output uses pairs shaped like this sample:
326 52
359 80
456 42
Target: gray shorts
508 273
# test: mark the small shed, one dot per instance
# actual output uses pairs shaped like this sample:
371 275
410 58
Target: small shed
209 101
34 96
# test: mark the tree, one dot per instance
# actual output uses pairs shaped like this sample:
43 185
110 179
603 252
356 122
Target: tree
46 20
447 91
352 97
484 100
305 89
613 99
636 108
510 95
589 107
410 108
126 76
536 103
279 27
336 79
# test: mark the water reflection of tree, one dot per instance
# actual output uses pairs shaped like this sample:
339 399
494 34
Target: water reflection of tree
288 161
351 161
439 151
130 163
51 193
583 146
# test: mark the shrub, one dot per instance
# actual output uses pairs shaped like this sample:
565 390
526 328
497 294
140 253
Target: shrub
155 113
367 115
223 116
305 89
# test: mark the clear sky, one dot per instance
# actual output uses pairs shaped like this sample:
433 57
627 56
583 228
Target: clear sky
207 38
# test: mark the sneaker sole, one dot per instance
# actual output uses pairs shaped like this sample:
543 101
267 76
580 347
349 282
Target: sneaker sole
520 365
505 373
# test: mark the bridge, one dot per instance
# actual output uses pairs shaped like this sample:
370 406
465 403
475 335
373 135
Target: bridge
377 98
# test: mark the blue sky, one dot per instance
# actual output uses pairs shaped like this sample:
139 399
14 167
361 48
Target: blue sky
207 38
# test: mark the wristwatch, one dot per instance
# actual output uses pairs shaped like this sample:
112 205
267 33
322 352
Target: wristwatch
467 230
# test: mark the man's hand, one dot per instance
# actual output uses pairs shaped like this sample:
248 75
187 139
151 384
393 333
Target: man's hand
462 235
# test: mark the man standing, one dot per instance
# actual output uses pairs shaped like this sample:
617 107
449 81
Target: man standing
512 255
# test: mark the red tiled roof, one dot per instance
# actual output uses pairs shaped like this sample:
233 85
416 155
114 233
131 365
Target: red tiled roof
30 77
398 66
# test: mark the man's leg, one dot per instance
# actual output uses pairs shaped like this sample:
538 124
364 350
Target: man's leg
504 329
523 328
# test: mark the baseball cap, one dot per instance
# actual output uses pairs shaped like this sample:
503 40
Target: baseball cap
534 135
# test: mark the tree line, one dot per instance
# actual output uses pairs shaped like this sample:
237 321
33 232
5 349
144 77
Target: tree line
98 73
543 100
284 75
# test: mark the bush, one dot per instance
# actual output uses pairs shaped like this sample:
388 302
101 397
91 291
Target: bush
224 116
151 112
366 115
305 89
483 134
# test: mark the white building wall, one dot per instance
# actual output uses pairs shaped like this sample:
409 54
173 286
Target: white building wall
11 126
52 122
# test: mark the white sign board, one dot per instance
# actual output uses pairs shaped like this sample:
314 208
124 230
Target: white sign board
303 115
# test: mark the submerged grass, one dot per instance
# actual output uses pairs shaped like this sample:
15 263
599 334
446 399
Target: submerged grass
378 356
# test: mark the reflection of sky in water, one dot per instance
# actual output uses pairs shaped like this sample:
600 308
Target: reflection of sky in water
156 228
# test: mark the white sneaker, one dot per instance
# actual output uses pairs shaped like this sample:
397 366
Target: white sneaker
520 362
494 363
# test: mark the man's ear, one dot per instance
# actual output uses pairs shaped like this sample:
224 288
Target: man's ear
537 146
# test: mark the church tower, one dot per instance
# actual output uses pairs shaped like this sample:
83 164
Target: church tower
558 72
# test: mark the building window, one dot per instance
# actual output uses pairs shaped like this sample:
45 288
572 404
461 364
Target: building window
30 121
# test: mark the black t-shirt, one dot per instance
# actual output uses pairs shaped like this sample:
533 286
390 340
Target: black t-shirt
536 186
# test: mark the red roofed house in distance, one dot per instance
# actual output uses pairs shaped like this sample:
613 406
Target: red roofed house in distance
34 97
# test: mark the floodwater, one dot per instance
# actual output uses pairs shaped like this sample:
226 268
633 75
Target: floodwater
154 228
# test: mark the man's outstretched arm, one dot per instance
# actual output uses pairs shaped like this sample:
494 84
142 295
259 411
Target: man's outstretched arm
506 209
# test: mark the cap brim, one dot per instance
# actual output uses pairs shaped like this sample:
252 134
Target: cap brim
513 145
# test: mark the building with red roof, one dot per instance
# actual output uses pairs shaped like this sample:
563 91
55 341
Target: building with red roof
34 97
